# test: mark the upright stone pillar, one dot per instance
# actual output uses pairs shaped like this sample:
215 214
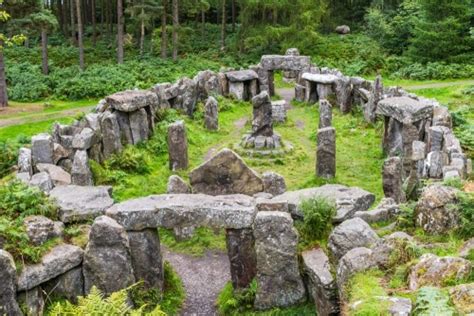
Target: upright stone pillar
81 173
393 179
278 276
8 303
344 94
262 123
211 120
110 135
177 146
374 98
326 153
139 126
242 257
325 113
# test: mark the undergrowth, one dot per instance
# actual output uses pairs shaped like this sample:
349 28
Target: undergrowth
203 239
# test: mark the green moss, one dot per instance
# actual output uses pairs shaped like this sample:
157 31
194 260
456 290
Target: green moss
204 239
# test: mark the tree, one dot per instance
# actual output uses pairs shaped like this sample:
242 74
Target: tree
46 22
164 35
79 35
223 25
143 12
120 31
175 8
6 41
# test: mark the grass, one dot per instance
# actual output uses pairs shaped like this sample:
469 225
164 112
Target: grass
14 132
204 239
37 110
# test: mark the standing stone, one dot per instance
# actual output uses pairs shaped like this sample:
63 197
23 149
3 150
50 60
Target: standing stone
262 123
436 135
326 153
123 120
146 258
344 94
242 256
81 173
42 148
435 163
374 98
300 93
393 179
110 135
273 183
107 259
8 303
177 146
176 185
320 283
139 126
24 161
211 119
325 113
278 277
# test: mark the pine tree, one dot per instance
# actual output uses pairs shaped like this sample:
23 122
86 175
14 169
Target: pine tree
46 22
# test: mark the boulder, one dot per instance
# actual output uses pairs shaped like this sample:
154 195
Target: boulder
110 135
278 278
93 121
176 185
273 183
225 173
25 161
404 109
467 249
242 256
42 148
32 301
356 260
42 181
40 229
146 258
211 115
185 210
434 212
241 75
352 233
387 249
8 303
385 211
131 100
57 174
81 173
343 29
78 203
432 270
107 259
462 297
177 146
320 282
325 79
326 153
69 285
84 140
348 200
58 261
393 179
24 177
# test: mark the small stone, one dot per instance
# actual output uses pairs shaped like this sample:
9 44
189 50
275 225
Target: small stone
177 146
176 185
343 29
385 211
273 183
269 205
42 181
57 174
40 229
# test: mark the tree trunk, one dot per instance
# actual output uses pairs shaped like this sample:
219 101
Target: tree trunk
120 31
203 23
164 35
44 51
223 26
72 15
175 29
142 34
79 35
3 81
60 13
233 16
94 26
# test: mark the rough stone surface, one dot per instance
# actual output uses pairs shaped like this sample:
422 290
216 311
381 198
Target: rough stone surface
32 301
352 233
376 94
462 297
325 113
81 173
278 277
8 303
320 283
404 109
59 260
393 179
69 285
131 100
262 122
325 79
107 259
176 185
467 248
42 148
435 161
110 134
177 146
343 91
433 212
284 62
225 173
40 229
25 161
418 150
42 181
241 75
84 140
432 270
57 174
24 177
279 111
273 183
185 210
78 203
343 29
211 115
139 125
146 258
348 200
326 153
242 256
356 260
385 211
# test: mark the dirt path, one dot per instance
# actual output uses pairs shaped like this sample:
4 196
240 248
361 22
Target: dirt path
438 85
203 278
39 117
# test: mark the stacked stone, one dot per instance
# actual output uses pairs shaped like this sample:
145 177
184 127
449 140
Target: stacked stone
326 143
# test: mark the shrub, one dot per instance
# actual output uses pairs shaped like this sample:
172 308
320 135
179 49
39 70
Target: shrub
317 222
8 158
131 160
406 220
430 71
231 302
465 207
432 301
